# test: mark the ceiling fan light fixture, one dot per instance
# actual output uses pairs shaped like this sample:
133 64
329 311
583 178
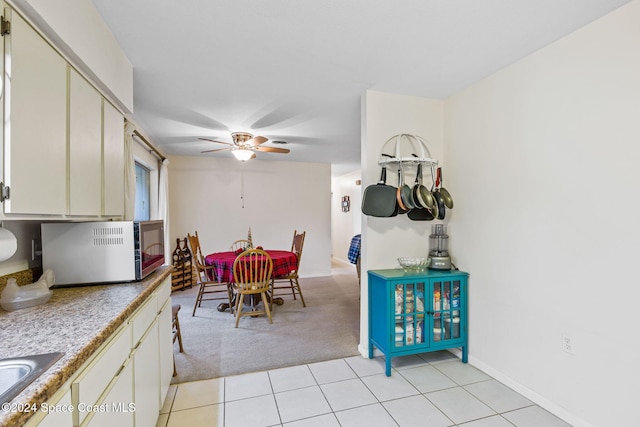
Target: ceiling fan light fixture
242 154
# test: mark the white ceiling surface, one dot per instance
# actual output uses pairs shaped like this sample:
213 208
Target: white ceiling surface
295 70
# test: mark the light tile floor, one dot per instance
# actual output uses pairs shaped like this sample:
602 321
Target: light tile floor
431 389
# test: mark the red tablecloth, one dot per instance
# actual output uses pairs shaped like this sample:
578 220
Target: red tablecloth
284 262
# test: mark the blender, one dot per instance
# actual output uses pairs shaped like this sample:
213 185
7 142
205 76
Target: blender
439 248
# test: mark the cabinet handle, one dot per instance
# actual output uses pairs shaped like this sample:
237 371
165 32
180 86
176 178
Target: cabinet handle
5 26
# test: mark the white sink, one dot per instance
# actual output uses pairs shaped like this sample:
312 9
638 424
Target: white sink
16 373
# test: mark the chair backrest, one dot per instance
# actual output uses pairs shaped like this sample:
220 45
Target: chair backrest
196 255
240 244
252 271
298 242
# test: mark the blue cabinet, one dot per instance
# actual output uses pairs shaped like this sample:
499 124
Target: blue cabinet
417 312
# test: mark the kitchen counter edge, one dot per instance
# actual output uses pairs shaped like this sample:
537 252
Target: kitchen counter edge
68 302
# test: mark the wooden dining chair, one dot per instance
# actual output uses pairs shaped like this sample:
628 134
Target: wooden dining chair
289 281
240 244
208 284
252 271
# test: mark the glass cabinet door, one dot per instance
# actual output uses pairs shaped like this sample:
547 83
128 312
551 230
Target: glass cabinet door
409 312
446 310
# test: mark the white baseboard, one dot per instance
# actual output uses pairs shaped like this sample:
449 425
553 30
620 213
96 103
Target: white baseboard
539 400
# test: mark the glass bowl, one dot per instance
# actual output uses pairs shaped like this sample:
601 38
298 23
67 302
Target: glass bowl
413 264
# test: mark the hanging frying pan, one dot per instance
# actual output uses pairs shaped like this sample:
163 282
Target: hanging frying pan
405 191
402 208
417 189
421 194
426 196
446 196
417 214
380 199
439 200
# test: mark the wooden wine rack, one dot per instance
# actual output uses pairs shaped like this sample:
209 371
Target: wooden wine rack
182 276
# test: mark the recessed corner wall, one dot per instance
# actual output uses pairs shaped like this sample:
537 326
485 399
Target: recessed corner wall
385 239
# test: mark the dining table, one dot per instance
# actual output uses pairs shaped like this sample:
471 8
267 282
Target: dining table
284 262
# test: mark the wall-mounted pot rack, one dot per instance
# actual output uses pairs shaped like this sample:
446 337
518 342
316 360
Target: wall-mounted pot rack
418 201
408 150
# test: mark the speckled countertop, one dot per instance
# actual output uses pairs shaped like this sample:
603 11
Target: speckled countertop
75 321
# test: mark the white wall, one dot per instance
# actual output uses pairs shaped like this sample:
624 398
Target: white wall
385 239
344 225
278 198
542 159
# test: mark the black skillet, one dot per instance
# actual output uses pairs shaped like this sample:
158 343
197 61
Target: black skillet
405 191
423 214
380 199
439 200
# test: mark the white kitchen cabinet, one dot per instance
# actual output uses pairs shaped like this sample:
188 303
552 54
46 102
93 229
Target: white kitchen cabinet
58 412
91 384
113 158
62 141
125 383
166 347
152 354
85 147
35 126
117 407
146 365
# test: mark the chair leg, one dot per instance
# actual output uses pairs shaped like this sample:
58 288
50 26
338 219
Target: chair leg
239 308
179 335
230 296
293 290
266 306
297 285
198 299
271 293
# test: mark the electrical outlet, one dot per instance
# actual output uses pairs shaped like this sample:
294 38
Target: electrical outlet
567 343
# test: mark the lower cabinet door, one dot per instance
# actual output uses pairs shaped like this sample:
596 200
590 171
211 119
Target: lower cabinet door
146 367
117 408
59 414
166 349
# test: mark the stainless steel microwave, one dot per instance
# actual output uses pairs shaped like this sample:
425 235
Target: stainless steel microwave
103 251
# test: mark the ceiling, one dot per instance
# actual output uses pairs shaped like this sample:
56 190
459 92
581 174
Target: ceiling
295 70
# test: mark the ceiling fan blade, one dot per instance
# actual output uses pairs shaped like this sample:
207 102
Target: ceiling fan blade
219 142
253 156
256 140
272 149
219 149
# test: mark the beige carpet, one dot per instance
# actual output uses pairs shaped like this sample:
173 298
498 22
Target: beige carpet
327 328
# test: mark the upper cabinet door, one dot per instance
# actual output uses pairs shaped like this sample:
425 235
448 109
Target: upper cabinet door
35 128
85 147
113 160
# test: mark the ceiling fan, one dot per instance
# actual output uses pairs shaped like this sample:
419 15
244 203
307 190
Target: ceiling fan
245 145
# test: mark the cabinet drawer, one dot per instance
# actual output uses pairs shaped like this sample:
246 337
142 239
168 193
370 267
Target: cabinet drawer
117 408
143 318
164 292
95 378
